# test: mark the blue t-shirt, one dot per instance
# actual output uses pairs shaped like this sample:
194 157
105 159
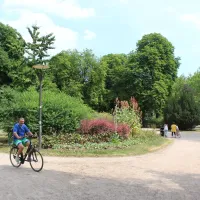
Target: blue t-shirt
20 130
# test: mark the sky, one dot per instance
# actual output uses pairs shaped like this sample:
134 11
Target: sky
110 26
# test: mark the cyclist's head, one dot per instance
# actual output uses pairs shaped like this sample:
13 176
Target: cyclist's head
21 121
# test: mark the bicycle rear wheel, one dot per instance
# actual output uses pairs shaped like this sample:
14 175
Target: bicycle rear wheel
13 154
36 160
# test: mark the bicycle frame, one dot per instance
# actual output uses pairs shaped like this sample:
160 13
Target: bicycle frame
28 151
23 158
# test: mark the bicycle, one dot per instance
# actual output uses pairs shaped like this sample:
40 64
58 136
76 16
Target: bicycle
34 157
178 134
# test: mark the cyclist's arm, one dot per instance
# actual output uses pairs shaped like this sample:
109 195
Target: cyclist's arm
16 135
15 130
28 132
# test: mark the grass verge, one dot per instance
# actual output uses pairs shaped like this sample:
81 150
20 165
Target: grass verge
137 149
131 147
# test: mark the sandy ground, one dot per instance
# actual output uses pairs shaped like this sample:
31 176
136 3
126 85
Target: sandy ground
171 173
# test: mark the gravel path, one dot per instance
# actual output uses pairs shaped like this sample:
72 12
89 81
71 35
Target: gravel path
171 173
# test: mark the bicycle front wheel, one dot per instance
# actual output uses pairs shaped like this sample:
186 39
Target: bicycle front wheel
13 154
36 160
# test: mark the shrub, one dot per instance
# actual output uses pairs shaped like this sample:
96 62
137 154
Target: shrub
128 113
96 126
123 130
61 113
103 126
154 122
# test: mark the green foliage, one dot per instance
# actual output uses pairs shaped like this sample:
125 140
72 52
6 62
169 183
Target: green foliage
128 113
115 84
182 109
194 82
11 53
147 73
152 71
77 141
37 50
80 74
65 72
154 122
61 113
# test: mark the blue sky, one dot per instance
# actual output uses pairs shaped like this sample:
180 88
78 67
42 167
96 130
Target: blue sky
111 26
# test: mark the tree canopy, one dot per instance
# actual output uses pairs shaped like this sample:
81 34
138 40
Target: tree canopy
152 69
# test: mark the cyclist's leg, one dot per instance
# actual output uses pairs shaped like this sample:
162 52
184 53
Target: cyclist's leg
25 142
20 147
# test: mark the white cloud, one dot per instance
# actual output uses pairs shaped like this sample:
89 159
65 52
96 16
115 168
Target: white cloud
62 8
192 18
41 12
65 38
89 35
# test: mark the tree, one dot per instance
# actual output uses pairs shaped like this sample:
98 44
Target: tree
65 71
182 109
194 82
37 50
152 71
93 75
37 53
11 53
115 83
79 74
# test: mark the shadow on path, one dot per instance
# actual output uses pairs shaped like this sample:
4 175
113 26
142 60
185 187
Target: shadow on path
23 183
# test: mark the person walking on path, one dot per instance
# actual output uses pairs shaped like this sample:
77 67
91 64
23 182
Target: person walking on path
165 130
173 129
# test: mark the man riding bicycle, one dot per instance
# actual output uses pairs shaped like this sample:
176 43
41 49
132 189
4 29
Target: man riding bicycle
19 131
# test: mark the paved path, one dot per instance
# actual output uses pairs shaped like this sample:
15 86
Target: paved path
172 173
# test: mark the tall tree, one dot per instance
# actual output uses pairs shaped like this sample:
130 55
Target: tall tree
115 83
93 75
37 53
152 69
65 72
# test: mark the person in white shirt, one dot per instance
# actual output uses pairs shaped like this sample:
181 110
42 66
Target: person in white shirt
165 130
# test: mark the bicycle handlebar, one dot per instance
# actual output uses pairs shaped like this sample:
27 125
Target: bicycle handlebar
30 136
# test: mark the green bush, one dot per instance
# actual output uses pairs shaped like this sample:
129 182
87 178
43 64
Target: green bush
182 109
61 113
154 122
